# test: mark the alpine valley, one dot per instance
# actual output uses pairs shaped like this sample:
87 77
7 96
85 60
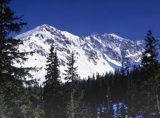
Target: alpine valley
94 54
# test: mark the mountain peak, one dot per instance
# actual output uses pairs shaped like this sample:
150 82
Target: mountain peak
45 27
94 54
42 28
115 36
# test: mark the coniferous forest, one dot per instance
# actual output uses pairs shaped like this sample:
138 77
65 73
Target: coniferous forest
126 93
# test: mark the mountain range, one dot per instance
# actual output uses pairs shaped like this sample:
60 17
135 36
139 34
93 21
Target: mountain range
96 53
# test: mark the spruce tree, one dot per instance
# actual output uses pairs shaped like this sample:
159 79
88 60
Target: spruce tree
52 67
72 77
52 88
12 78
149 56
151 82
71 72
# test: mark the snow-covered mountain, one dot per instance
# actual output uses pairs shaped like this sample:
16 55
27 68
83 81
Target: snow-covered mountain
94 54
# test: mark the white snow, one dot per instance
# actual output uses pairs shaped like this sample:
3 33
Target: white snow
93 54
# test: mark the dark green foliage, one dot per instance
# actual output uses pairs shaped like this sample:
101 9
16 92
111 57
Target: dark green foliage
70 73
12 78
150 54
52 67
150 72
139 89
32 102
53 99
71 78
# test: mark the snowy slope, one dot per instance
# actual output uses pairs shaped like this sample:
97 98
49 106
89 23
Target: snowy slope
94 54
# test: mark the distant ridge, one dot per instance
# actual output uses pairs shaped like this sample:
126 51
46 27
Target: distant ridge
94 54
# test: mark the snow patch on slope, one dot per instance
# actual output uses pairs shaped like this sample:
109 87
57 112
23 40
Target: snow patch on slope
94 54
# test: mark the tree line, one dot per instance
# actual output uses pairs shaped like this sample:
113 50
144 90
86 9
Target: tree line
125 93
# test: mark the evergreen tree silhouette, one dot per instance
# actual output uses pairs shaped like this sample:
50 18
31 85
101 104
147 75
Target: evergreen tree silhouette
52 89
149 56
12 78
151 81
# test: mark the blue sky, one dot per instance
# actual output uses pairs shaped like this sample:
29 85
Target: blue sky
127 18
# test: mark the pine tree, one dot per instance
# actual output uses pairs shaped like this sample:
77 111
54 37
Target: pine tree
70 73
151 69
149 57
72 77
11 78
52 88
52 67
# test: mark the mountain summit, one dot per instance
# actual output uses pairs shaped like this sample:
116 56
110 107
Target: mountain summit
94 54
